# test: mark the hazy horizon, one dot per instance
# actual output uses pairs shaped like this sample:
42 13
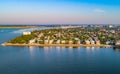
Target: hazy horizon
59 12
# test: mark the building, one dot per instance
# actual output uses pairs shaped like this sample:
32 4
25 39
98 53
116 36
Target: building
26 33
32 41
78 42
97 42
63 41
117 42
107 42
46 41
110 26
58 42
92 42
70 42
87 42
40 35
76 38
51 41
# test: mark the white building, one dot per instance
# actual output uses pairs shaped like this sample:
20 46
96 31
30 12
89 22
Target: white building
32 41
110 26
51 41
76 38
92 42
107 42
40 35
112 31
87 42
117 42
26 33
70 42
78 42
58 42
63 41
46 41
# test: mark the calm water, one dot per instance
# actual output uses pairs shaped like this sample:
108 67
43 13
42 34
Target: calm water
56 60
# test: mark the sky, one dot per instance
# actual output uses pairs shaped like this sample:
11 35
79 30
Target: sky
59 12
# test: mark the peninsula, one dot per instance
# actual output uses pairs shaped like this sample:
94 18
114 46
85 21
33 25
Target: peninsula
69 36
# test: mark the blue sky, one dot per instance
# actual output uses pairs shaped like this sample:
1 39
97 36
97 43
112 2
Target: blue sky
59 12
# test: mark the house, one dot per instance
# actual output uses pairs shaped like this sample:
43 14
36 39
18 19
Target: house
58 42
32 41
26 33
76 38
63 41
112 31
117 42
40 35
87 42
78 42
51 41
107 42
92 42
110 26
46 41
97 42
70 42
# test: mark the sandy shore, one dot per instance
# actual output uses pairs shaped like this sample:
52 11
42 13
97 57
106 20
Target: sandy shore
61 45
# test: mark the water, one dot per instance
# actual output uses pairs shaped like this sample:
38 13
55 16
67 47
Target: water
56 60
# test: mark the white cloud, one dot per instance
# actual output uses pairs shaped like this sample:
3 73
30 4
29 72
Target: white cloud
99 10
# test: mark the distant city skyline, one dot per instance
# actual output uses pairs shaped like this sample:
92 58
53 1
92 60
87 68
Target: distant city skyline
60 12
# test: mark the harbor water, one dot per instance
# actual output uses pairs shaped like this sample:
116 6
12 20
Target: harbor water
55 60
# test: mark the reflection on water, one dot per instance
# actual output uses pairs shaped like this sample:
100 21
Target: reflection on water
116 48
31 49
70 47
97 47
87 48
62 50
57 47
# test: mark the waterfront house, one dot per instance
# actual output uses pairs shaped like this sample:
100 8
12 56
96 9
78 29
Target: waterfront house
117 42
26 33
32 41
87 42
78 42
46 41
107 42
70 42
63 41
51 41
92 41
58 42
97 42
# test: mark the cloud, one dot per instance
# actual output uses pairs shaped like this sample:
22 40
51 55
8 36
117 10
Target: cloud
99 10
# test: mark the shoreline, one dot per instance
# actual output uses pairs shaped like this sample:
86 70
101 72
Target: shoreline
61 45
